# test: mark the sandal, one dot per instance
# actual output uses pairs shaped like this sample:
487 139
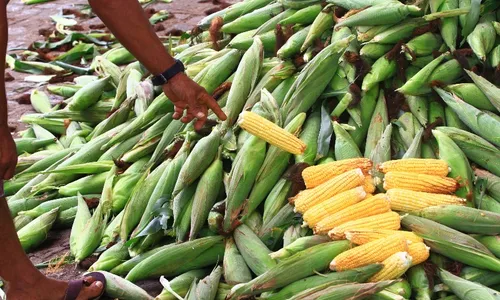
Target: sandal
76 286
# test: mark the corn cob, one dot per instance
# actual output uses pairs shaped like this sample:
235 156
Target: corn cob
317 175
417 85
253 19
369 207
40 101
88 95
472 93
409 201
419 282
465 289
381 14
367 106
489 90
419 252
382 69
180 284
333 205
373 252
384 221
363 236
484 277
45 207
34 233
420 182
421 166
308 198
345 147
394 267
253 250
303 16
492 242
235 269
276 199
482 38
368 184
183 223
111 258
343 291
322 22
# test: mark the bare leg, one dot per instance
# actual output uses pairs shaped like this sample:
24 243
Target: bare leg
23 281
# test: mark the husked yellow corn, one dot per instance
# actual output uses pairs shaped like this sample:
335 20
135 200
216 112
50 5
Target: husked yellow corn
394 267
389 221
419 252
316 175
363 236
344 182
368 185
408 201
420 182
271 133
369 253
416 165
366 208
333 205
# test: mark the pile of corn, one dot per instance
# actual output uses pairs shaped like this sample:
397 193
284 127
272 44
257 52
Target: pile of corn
361 143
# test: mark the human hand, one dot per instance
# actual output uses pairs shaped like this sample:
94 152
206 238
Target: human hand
8 153
188 95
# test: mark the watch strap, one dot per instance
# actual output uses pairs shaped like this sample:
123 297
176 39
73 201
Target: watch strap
164 77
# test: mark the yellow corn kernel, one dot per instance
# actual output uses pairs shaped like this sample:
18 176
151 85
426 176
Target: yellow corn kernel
316 175
368 185
366 208
369 253
420 182
419 252
363 236
308 198
271 133
408 201
394 267
389 221
416 165
333 205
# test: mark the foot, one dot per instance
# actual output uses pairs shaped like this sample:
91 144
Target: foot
49 289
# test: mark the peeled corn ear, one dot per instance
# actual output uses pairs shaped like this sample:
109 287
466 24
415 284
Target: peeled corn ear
363 236
407 201
387 221
394 267
416 165
316 175
419 252
420 182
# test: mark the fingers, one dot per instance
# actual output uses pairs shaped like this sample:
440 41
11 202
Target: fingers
201 118
179 111
212 104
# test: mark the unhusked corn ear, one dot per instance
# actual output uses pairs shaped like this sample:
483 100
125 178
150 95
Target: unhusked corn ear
366 208
316 175
416 165
369 185
363 236
335 204
419 252
271 133
308 198
420 182
394 267
369 253
388 221
408 201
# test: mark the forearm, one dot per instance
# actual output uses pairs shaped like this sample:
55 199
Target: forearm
128 22
3 51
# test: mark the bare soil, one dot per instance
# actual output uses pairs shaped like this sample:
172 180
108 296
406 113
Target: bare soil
24 25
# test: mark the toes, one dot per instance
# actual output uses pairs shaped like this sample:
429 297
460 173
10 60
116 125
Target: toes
92 291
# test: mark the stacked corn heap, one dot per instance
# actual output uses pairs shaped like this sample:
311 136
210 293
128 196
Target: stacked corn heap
154 197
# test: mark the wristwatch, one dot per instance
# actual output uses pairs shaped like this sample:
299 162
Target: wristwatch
164 77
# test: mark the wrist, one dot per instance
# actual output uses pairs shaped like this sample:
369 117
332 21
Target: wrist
169 73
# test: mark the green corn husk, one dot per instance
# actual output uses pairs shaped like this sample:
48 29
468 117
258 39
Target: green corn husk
465 219
253 250
198 161
15 185
417 85
40 102
489 90
140 151
105 67
475 148
321 23
233 12
481 123
393 34
491 242
453 120
183 223
361 274
421 45
55 126
298 245
356 4
464 289
485 202
33 234
484 277
449 25
182 257
119 288
219 71
180 202
309 136
254 221
235 269
244 171
382 152
21 221
294 43
85 168
492 182
381 14
88 95
299 4
415 148
482 38
112 257
253 20
167 138
367 107
31 145
124 186
244 40
274 21
436 113
382 69
64 90
419 282
206 289
304 16
419 107
45 163
118 117
468 22
378 123
276 199
344 291
452 243
81 219
457 161
472 94
111 232
297 267
124 268
180 284
91 184
273 167
312 80
345 147
374 50
46 206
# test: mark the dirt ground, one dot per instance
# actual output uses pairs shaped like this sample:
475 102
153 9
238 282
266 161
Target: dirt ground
24 24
